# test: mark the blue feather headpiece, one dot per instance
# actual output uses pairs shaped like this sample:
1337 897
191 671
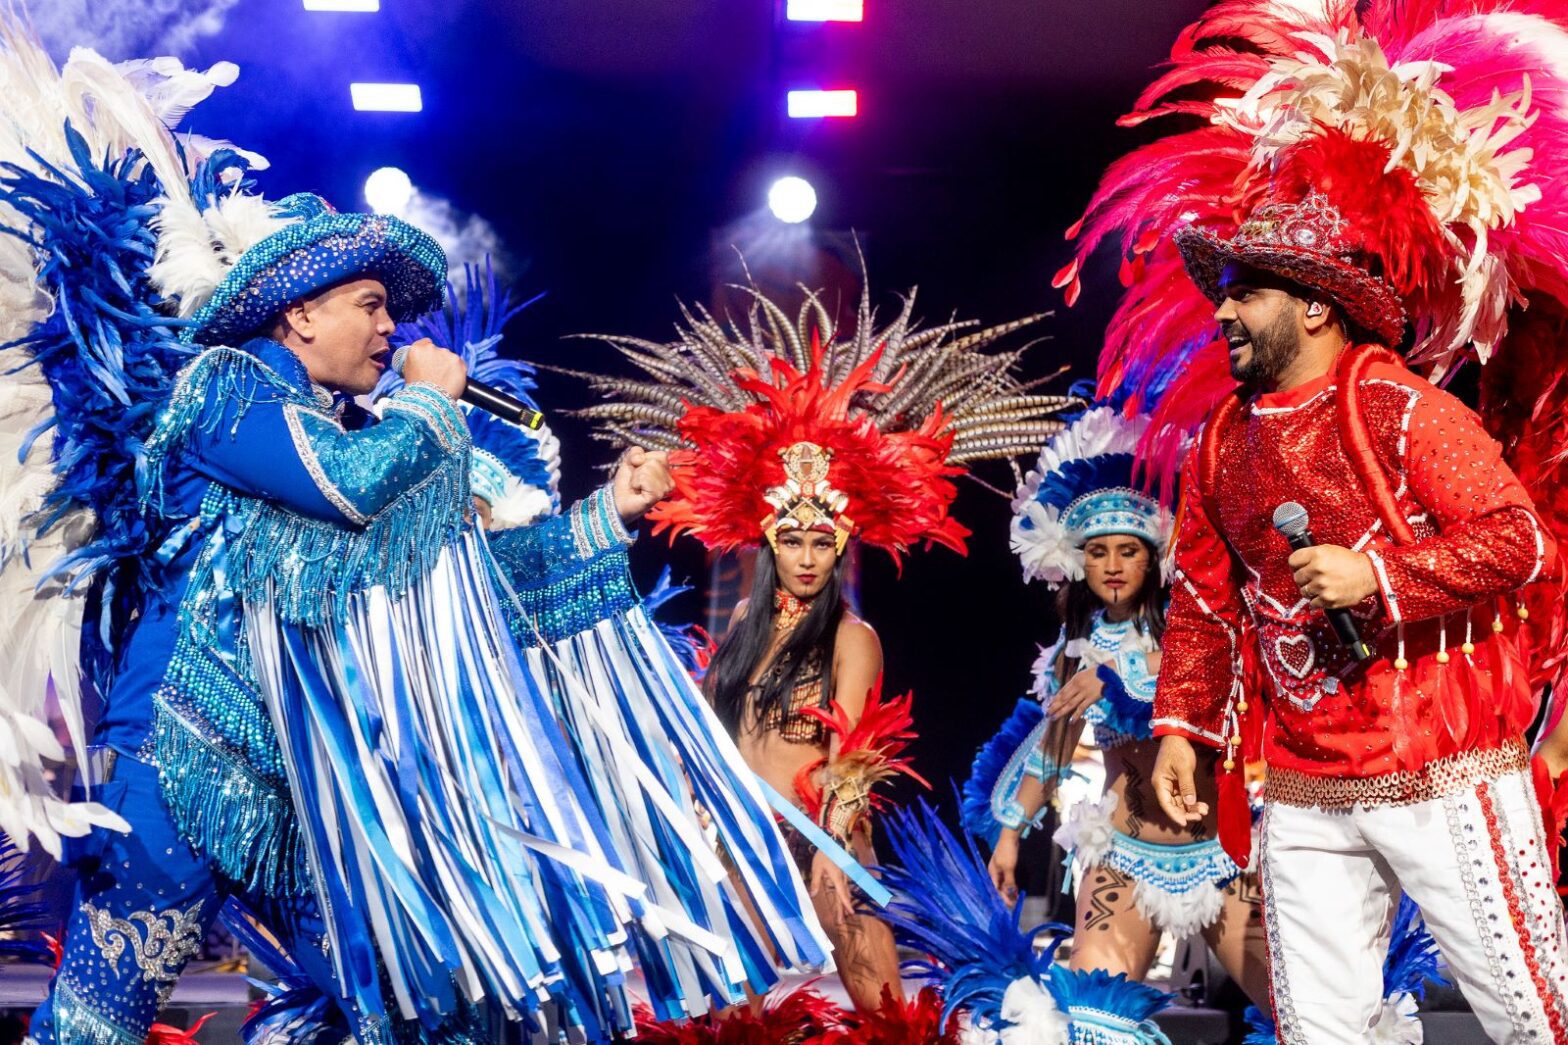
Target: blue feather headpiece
315 248
1082 488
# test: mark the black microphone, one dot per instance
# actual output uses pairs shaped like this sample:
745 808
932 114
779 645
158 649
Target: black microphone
1290 519
487 398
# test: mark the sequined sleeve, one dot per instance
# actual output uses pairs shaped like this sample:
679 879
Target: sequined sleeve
566 573
299 456
1489 540
1201 650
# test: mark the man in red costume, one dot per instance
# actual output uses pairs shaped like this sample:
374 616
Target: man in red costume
1404 773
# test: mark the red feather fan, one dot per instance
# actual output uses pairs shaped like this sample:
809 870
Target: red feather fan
801 1017
897 1022
870 749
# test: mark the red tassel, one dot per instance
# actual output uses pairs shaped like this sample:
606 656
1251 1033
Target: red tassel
1234 813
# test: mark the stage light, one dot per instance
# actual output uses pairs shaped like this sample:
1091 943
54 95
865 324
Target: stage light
386 97
806 105
388 190
792 200
366 6
825 10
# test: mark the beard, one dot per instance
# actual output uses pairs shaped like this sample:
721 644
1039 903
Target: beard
1273 349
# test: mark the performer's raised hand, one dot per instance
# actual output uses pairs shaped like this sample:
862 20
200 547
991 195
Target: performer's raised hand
428 363
1174 781
642 480
1077 695
1334 578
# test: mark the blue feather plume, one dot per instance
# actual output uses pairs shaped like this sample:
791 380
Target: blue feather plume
110 354
990 761
1072 479
1117 710
687 640
1098 989
1413 957
945 906
472 326
1260 1029
295 1008
23 916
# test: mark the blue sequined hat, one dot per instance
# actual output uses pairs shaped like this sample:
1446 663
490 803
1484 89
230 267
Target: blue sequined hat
318 248
1082 488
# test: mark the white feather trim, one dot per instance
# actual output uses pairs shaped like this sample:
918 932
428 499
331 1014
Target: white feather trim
519 505
1044 546
1032 1015
1180 914
1398 1022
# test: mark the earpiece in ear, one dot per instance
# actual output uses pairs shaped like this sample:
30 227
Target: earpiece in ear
1314 308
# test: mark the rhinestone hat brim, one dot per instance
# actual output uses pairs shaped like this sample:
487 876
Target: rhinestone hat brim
1369 301
316 253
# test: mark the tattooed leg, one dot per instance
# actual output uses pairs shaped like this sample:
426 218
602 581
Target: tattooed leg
1112 934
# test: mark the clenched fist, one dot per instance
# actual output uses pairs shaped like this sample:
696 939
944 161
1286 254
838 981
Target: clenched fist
642 480
428 363
1334 578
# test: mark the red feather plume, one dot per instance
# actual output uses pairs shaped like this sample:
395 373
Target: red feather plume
897 1022
899 484
800 1017
871 747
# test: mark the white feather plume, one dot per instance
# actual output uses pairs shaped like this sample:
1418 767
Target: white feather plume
197 248
40 627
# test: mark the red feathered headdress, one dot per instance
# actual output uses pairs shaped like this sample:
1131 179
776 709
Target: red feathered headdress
795 458
784 424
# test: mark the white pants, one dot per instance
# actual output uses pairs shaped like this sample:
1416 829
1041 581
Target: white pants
1476 864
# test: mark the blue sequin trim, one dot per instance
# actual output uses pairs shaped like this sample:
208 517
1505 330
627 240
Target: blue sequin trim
570 601
238 821
77 1024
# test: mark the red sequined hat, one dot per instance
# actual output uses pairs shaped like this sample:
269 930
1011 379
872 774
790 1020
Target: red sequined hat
1308 242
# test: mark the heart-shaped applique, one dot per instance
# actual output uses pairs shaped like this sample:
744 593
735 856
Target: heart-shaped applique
1296 654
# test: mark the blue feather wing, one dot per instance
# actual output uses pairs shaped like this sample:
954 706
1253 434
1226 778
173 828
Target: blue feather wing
990 763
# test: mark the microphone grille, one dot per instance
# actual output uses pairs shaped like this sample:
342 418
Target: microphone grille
399 358
1290 519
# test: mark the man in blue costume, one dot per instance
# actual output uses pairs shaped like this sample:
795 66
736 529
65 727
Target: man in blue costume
186 751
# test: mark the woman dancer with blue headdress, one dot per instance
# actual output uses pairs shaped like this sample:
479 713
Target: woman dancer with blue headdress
1082 528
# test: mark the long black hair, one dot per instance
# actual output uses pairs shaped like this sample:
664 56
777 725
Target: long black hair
728 680
1076 604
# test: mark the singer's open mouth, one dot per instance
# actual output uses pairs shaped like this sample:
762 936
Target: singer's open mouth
382 359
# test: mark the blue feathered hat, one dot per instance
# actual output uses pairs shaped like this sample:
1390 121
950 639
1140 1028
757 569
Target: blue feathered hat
1082 488
314 248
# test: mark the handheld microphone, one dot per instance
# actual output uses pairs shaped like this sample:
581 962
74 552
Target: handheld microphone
1290 519
487 398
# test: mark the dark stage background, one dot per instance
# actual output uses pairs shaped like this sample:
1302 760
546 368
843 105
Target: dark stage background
617 147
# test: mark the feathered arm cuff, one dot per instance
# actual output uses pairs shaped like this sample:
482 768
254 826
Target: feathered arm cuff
838 791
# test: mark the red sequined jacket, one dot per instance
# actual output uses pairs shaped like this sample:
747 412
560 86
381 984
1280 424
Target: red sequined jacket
1332 736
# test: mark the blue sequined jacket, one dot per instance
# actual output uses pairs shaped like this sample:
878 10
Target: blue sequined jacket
263 488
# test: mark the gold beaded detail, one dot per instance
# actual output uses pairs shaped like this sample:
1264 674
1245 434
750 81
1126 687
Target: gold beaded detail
1443 657
1400 664
1467 649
